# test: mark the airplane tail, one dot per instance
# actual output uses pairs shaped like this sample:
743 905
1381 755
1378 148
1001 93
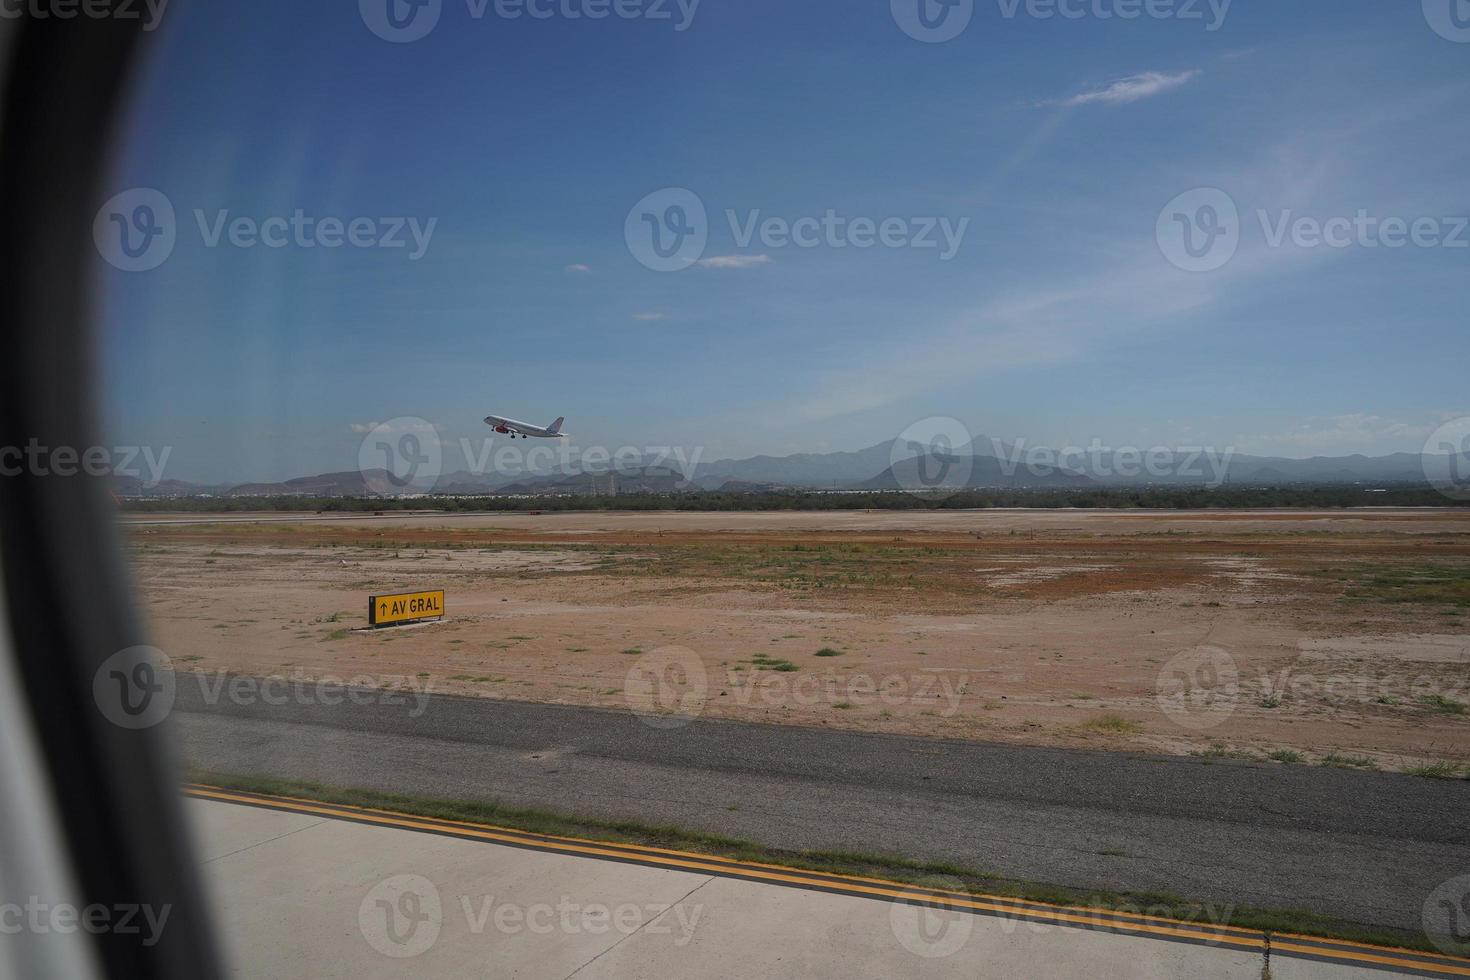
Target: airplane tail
555 427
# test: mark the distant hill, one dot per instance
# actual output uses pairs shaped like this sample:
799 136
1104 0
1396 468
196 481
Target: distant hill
133 486
822 470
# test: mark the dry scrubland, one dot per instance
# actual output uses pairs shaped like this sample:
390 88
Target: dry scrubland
1350 631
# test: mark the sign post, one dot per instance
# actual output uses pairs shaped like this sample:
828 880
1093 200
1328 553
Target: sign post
405 607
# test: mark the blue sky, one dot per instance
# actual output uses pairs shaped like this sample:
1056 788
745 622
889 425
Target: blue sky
1058 320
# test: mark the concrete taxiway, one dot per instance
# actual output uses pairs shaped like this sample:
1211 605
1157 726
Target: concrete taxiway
312 890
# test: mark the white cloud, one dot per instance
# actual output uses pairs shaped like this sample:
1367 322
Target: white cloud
733 261
579 268
1130 89
651 316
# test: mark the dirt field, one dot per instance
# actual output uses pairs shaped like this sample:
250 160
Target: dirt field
1338 638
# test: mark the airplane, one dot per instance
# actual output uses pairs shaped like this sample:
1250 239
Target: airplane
525 431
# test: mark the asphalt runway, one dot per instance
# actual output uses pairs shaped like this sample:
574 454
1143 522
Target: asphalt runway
1367 847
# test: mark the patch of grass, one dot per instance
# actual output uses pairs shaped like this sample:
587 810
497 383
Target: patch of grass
336 635
763 662
842 705
1348 761
631 651
1436 770
1287 756
1114 723
1271 701
1430 583
1441 704
890 867
829 652
1219 750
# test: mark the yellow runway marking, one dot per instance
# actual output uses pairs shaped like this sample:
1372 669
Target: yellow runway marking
1119 921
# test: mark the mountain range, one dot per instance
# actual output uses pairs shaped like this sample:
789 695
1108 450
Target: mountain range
889 465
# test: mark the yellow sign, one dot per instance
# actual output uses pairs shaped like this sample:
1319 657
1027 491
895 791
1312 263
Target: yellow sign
405 607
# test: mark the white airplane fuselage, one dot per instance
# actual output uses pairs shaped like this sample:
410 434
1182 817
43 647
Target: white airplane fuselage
525 430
